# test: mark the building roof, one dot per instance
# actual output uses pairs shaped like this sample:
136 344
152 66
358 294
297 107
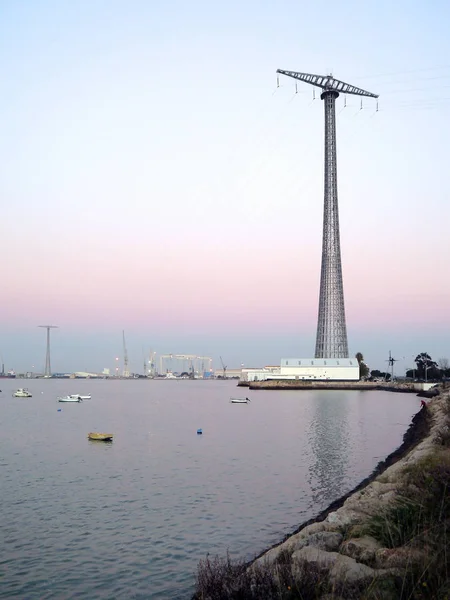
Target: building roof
319 362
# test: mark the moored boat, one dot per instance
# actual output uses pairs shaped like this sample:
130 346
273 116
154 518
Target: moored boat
80 397
69 399
22 393
100 437
239 400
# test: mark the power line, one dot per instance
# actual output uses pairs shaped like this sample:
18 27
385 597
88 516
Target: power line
422 89
403 72
418 102
419 107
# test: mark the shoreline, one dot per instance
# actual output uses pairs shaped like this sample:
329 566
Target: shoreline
417 431
335 549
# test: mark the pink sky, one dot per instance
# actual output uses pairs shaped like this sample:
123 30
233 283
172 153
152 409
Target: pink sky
189 199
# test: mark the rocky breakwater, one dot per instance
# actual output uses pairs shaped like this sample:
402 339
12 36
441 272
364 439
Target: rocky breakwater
387 539
368 545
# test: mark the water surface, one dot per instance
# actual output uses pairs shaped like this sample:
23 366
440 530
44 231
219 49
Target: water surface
132 518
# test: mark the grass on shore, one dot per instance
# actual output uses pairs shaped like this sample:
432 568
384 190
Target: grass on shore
419 522
224 579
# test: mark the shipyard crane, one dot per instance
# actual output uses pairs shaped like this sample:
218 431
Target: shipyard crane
151 363
331 337
204 359
126 372
224 367
145 363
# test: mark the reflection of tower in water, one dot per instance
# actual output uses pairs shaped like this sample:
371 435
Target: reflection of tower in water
328 438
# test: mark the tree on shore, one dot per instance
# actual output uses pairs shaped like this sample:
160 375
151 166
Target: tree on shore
376 374
363 368
427 368
443 364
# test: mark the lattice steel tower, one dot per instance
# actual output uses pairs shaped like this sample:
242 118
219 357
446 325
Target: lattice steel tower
331 339
48 368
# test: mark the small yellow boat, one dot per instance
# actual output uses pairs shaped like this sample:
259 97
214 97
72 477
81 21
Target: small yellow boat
100 437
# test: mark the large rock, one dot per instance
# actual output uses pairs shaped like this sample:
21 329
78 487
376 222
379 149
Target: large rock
344 517
318 559
370 500
362 549
341 569
400 558
348 571
324 540
294 542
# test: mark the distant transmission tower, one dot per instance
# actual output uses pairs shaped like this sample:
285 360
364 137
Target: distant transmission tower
48 367
331 339
126 372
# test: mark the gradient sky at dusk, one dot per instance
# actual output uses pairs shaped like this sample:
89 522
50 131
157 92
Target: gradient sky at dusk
154 179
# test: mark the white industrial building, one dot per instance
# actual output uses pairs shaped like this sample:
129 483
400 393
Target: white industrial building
319 369
229 373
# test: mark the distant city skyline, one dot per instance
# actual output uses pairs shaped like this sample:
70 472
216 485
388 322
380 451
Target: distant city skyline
94 352
155 179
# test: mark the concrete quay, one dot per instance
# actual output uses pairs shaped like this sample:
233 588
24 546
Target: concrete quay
295 384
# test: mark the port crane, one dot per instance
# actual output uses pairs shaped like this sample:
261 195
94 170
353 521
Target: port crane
192 360
151 365
224 367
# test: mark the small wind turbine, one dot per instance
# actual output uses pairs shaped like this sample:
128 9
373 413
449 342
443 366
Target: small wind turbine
391 360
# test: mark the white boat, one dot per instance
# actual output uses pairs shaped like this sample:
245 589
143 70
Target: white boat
239 400
88 397
22 393
69 399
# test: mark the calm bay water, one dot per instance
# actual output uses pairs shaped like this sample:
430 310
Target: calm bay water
131 519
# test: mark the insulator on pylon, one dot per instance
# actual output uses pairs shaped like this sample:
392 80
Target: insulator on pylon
377 107
296 90
314 93
361 105
278 81
345 101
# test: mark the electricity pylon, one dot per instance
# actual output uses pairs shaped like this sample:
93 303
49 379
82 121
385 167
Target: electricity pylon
48 368
331 338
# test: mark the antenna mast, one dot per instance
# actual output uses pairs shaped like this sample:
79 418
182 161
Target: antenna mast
48 368
126 372
331 338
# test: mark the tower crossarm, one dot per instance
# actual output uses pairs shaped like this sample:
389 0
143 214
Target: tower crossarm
327 83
